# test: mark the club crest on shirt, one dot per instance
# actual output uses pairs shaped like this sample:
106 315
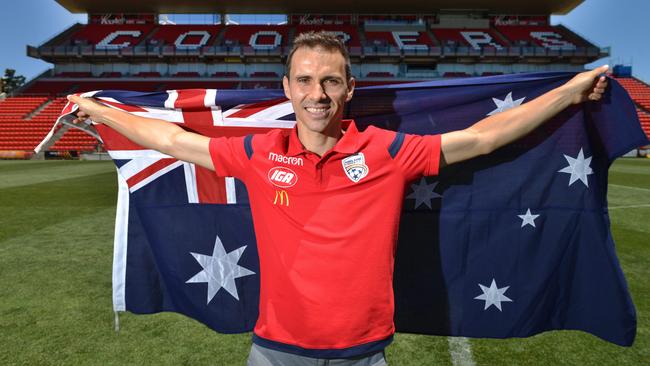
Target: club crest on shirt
355 167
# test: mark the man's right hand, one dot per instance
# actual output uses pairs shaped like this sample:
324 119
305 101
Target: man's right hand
88 109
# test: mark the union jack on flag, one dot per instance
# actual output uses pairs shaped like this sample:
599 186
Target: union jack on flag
489 242
195 110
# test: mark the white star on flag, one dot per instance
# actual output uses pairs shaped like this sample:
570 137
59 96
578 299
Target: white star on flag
423 193
507 103
578 168
220 270
528 219
493 295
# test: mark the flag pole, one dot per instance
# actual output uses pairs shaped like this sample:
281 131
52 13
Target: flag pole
116 321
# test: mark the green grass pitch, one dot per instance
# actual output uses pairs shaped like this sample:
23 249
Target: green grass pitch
56 232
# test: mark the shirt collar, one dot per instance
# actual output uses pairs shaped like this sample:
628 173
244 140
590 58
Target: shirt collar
347 144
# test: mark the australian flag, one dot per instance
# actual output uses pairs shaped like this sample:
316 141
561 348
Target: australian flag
506 245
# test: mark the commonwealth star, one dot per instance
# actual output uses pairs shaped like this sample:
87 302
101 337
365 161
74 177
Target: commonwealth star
220 270
423 193
493 295
578 168
505 104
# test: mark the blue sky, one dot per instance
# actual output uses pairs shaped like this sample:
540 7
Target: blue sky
623 25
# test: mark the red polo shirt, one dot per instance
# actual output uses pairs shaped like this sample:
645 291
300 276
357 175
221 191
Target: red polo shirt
326 231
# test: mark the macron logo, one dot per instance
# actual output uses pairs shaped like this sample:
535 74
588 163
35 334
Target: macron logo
285 159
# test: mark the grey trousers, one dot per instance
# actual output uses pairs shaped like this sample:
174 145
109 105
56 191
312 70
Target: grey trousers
261 356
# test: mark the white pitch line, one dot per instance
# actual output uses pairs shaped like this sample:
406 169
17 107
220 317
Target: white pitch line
460 351
630 206
630 187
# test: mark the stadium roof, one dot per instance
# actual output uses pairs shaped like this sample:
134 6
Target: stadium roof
518 7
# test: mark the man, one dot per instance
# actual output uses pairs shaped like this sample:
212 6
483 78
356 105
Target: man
326 243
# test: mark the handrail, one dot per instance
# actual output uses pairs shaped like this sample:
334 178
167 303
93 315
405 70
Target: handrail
373 50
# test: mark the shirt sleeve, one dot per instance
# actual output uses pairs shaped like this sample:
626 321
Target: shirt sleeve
416 155
229 155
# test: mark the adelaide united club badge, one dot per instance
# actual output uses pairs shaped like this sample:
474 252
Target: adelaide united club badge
355 167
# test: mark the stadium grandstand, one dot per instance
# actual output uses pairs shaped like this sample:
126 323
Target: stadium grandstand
134 46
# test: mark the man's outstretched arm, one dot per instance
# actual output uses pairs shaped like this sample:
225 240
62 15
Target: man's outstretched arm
502 128
151 133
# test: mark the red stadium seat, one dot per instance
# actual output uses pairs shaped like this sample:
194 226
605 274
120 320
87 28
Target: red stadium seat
382 82
50 87
207 84
74 75
261 85
379 74
112 74
640 93
264 74
99 84
148 74
225 74
187 74
19 133
456 74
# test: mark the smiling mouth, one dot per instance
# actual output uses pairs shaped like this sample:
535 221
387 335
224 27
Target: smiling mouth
316 109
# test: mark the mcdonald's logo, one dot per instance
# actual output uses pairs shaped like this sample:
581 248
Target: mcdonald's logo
281 198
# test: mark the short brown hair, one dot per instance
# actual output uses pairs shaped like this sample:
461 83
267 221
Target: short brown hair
323 39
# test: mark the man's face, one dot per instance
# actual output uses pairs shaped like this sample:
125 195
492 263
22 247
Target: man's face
318 89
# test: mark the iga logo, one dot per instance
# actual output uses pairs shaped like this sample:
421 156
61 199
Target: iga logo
282 177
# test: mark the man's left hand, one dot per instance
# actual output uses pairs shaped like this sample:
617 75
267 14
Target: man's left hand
588 85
